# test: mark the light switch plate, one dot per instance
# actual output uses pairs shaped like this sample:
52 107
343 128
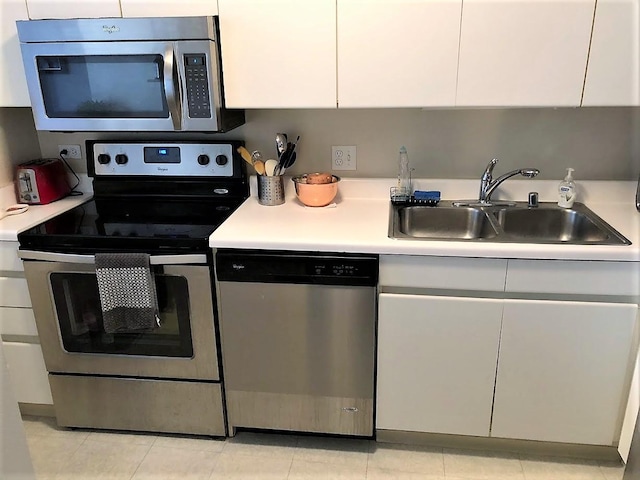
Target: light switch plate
343 157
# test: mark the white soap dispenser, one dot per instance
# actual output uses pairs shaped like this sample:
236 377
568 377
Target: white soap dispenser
567 190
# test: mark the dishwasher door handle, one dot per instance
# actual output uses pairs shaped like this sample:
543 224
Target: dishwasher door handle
90 259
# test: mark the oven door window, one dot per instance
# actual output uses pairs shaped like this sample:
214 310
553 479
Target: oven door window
103 86
77 305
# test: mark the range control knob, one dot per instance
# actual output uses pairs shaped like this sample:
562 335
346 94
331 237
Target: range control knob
121 159
222 160
203 159
104 158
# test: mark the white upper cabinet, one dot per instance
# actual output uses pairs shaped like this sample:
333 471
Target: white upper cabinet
13 85
40 9
168 8
613 72
278 53
523 52
398 53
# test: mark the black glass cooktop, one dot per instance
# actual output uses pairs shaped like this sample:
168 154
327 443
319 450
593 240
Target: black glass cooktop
131 224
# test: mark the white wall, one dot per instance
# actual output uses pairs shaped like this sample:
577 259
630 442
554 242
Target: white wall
600 143
18 141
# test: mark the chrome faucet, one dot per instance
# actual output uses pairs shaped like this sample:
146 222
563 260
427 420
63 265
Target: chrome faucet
488 185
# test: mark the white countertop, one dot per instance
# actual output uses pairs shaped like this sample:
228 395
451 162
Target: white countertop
359 221
11 225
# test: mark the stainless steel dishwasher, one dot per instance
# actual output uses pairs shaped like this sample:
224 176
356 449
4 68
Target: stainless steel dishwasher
298 340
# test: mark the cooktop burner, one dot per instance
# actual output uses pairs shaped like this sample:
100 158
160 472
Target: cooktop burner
149 213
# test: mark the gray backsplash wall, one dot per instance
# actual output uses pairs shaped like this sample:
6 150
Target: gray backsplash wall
600 143
18 141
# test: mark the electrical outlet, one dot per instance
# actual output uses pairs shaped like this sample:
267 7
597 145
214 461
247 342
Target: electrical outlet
73 151
343 157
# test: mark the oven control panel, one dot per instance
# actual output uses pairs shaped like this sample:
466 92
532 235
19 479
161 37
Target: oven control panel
163 159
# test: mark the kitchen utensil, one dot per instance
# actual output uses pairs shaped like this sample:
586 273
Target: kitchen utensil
259 166
16 209
256 155
270 167
291 160
315 194
246 156
281 143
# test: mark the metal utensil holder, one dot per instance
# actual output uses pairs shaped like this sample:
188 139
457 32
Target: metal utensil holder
270 190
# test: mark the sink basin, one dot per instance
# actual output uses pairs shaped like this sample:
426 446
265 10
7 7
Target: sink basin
547 223
551 225
457 223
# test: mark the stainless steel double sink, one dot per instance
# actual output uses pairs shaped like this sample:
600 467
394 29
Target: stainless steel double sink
517 223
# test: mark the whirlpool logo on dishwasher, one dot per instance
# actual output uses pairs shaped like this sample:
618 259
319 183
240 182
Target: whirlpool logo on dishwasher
237 266
110 29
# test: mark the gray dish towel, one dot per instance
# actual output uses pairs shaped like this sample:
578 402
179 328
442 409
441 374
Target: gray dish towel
127 292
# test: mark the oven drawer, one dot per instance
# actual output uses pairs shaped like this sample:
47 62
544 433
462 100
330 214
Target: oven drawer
138 404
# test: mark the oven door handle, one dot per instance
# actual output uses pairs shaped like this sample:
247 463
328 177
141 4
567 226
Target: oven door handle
197 258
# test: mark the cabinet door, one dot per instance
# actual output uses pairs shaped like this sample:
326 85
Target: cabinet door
39 9
398 53
613 72
279 53
13 84
523 52
564 370
168 8
436 363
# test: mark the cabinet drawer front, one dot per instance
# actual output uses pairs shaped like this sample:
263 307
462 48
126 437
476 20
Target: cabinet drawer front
9 261
27 372
574 277
480 274
17 321
14 293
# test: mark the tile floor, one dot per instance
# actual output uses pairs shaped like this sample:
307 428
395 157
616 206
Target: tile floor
86 454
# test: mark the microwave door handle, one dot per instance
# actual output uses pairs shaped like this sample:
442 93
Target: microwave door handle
171 86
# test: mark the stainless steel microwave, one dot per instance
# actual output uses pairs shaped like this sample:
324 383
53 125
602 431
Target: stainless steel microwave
126 74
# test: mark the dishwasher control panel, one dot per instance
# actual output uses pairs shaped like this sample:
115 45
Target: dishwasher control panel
296 267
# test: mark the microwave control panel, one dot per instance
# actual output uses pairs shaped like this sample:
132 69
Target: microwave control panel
197 82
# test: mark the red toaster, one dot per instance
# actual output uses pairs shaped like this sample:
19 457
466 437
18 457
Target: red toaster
41 181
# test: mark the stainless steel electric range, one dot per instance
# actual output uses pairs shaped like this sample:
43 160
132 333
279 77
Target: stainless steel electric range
159 198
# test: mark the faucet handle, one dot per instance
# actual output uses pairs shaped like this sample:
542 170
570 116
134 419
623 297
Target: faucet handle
489 170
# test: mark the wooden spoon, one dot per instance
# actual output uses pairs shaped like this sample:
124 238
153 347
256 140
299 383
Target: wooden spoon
259 166
246 156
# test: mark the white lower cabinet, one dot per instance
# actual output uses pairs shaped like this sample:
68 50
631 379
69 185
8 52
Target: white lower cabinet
515 363
27 372
562 374
436 363
18 333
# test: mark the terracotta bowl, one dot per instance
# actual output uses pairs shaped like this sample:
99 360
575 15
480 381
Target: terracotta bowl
315 194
